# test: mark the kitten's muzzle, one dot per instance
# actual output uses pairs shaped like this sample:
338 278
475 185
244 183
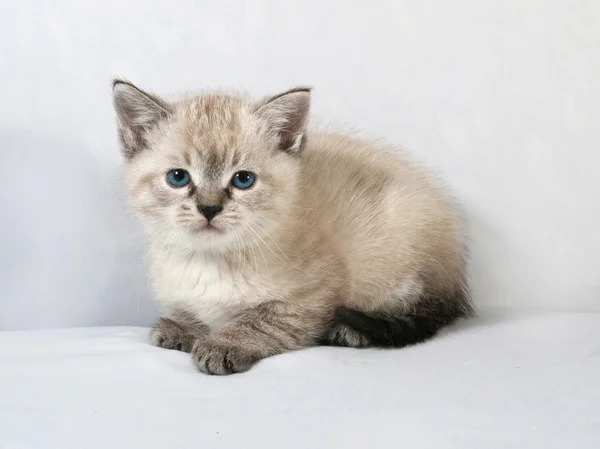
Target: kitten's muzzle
208 211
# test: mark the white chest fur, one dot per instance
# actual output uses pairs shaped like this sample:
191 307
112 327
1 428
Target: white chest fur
210 290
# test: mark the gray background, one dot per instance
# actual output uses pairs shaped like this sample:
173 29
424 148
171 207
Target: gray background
500 97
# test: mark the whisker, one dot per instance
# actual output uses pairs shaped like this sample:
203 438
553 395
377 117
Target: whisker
279 248
258 246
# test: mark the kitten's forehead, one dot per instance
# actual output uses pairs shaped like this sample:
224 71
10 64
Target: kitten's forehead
212 129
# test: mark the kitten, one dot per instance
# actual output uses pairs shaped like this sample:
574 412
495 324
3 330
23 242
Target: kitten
266 237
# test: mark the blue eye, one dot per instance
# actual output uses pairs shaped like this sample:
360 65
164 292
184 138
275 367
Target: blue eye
243 180
178 177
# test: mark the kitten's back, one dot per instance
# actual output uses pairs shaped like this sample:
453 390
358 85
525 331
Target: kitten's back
385 216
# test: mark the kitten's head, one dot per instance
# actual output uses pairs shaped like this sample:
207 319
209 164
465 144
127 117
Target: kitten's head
217 170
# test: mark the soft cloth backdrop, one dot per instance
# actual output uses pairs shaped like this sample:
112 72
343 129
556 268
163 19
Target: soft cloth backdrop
501 97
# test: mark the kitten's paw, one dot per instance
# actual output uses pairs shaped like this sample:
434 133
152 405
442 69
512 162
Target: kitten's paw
213 358
345 335
170 335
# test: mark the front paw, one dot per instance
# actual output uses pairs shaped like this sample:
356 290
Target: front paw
215 358
169 334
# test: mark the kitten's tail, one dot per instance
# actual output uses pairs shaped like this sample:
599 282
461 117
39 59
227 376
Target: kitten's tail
358 329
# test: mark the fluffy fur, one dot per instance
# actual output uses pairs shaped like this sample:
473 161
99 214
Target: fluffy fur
338 242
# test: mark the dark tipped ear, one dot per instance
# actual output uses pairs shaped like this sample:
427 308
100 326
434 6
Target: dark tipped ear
137 112
286 115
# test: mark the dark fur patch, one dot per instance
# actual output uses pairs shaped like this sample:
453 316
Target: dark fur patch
427 317
293 90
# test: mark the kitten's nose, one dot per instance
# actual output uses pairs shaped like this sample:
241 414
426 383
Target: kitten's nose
209 212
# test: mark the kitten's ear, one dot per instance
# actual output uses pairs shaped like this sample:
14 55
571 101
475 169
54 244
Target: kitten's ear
137 112
286 115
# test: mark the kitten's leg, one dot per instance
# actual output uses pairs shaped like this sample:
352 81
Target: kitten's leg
268 329
180 335
356 329
342 334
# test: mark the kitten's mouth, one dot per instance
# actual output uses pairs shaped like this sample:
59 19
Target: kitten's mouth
210 229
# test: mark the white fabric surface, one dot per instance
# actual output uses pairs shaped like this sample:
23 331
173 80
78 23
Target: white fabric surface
523 382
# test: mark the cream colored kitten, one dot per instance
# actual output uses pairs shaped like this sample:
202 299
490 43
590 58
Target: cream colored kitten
266 237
